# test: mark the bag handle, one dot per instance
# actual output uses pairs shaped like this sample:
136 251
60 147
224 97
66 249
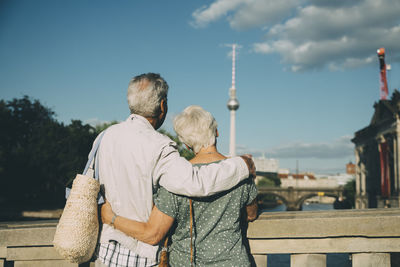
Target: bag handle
191 232
92 156
89 164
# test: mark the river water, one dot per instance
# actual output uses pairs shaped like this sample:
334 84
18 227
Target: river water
283 260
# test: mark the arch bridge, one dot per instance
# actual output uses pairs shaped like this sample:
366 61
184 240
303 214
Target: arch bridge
294 197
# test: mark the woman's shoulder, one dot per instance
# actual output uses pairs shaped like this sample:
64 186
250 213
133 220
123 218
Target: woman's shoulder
164 196
205 159
206 163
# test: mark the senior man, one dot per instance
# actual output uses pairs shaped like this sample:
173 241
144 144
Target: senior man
134 160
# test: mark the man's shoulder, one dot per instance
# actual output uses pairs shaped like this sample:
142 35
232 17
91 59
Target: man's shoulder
162 137
159 139
131 131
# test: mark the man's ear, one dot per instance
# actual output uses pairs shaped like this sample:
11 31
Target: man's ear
164 106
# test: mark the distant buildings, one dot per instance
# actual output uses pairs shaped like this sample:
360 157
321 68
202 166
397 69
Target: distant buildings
307 180
268 167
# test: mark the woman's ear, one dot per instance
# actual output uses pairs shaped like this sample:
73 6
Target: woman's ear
216 133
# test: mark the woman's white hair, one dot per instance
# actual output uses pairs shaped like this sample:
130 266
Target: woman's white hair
196 128
145 93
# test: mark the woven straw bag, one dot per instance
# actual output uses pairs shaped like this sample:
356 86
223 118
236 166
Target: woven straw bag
77 231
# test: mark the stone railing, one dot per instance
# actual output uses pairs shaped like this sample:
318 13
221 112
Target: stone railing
370 236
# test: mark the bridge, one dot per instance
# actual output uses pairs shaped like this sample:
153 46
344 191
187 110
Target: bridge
371 237
294 197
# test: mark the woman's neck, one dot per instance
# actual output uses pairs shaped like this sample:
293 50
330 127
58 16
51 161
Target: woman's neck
207 155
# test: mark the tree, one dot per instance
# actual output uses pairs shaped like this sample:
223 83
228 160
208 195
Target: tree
38 155
183 151
350 192
102 126
268 180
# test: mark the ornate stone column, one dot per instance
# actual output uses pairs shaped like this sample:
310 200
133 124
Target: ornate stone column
396 160
361 200
396 156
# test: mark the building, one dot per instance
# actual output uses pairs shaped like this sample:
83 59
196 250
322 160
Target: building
266 167
351 168
377 154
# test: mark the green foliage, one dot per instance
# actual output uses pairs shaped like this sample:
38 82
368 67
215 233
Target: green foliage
101 127
183 151
270 179
265 181
350 192
39 155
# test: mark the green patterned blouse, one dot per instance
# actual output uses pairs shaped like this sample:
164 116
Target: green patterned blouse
217 234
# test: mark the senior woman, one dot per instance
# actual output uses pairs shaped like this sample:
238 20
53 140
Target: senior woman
215 238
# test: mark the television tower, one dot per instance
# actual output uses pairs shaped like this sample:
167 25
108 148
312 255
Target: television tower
233 105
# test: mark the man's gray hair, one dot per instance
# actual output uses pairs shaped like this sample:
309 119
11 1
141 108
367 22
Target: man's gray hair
145 93
196 128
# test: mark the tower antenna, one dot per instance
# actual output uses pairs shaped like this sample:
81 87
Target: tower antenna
233 105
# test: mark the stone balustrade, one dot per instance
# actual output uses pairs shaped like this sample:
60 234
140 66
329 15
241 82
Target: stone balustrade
371 236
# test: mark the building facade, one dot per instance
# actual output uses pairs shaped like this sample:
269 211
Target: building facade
377 152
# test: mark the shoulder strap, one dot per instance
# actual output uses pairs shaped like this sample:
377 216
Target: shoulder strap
92 156
191 232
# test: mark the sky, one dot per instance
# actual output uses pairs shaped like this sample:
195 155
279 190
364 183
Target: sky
307 72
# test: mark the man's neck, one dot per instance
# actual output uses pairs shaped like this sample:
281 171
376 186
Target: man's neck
208 150
152 121
207 155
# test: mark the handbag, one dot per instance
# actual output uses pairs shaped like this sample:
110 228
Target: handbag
77 231
164 254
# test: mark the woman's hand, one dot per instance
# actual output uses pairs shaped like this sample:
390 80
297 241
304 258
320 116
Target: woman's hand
106 213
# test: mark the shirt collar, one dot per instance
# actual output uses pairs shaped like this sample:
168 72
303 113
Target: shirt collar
141 119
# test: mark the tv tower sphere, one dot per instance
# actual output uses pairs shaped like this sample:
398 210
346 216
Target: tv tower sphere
233 103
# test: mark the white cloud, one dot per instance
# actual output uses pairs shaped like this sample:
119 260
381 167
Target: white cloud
340 148
261 12
243 149
263 48
204 15
313 34
230 53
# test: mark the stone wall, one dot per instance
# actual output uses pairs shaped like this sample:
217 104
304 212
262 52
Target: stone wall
372 236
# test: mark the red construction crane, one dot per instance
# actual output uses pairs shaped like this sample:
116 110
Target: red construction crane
382 66
383 146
